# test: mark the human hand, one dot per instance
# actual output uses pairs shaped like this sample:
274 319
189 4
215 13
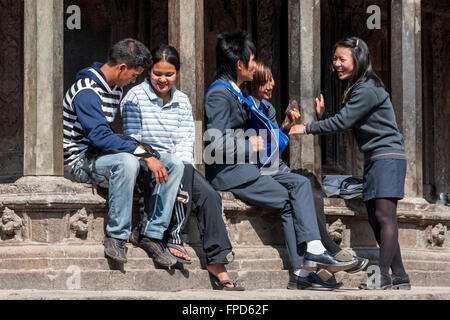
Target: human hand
298 129
257 143
157 168
292 115
320 106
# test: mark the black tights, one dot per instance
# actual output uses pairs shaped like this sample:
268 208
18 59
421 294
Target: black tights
383 220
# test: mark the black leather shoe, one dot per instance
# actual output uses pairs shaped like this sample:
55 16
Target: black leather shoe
311 282
326 261
360 266
401 282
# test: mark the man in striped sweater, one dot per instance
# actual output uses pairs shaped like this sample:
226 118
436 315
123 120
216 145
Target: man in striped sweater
93 153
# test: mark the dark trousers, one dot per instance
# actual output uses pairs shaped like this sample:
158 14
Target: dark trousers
292 195
207 203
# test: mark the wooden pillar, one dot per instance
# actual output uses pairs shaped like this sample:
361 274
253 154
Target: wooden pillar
43 87
304 78
406 81
187 35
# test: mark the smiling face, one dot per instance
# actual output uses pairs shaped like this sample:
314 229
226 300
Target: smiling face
343 63
162 78
265 91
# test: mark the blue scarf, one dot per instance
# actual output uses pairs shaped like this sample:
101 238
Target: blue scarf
259 121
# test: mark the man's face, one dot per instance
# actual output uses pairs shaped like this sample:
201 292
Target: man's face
244 72
126 76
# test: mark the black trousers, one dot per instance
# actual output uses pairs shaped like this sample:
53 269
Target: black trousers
207 203
292 195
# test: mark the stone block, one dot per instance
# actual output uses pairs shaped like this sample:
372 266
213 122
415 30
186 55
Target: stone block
255 230
48 227
98 225
408 235
361 235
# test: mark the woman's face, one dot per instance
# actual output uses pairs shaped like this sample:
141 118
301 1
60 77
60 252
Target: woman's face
343 63
265 91
162 77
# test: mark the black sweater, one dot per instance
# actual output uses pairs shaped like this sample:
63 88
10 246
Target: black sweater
370 114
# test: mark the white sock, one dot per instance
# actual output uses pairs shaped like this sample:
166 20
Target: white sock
301 272
315 247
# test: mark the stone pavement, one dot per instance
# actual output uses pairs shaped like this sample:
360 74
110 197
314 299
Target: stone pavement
416 293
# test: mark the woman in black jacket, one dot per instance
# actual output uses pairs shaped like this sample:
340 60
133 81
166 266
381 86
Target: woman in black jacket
368 111
261 89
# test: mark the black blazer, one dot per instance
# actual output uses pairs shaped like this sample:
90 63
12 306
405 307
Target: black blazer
224 111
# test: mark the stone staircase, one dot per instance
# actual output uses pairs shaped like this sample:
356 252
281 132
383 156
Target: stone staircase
57 267
58 245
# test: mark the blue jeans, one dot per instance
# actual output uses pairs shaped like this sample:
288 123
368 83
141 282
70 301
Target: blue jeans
118 172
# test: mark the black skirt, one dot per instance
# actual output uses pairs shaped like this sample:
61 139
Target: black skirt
384 178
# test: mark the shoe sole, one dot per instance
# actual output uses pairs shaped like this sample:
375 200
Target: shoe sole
296 286
402 286
313 266
164 264
115 258
360 268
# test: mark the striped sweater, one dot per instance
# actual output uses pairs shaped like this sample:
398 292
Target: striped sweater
89 107
167 128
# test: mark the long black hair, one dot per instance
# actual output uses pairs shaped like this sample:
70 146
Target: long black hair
232 47
363 70
164 52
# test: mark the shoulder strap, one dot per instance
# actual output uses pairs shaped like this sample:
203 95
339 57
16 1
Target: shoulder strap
249 102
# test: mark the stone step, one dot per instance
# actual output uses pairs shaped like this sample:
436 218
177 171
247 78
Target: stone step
146 264
277 296
176 280
246 258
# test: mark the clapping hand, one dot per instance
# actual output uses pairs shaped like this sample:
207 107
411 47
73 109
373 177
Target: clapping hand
320 106
292 115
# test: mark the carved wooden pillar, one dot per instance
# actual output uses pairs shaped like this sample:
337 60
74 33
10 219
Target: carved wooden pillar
304 78
406 88
186 33
43 87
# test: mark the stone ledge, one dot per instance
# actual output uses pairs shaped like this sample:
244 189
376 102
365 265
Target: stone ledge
48 208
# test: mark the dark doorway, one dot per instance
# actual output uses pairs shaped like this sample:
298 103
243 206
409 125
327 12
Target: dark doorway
11 90
103 23
265 21
436 97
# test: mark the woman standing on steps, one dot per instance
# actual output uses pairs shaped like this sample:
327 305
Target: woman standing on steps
368 111
261 89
